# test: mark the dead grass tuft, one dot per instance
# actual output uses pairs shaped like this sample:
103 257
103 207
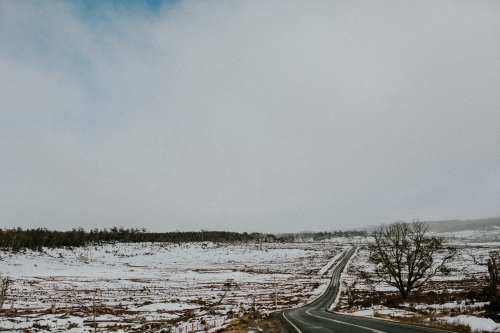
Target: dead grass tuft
430 321
256 322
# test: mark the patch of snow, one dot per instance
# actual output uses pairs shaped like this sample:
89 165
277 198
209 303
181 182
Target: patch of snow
475 323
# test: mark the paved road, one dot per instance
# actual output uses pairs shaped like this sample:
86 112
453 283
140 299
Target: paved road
313 317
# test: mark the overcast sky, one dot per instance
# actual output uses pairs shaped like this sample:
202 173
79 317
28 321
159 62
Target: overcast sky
269 116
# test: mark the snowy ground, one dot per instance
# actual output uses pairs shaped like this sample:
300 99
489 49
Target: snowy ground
179 287
444 298
138 286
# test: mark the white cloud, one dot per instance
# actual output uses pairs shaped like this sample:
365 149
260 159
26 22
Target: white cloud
249 116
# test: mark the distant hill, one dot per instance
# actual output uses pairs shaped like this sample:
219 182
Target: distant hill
455 225
459 225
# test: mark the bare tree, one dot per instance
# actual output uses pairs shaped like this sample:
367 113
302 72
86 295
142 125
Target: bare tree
493 264
491 292
228 285
404 255
5 282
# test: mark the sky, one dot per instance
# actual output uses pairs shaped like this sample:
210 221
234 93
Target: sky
265 116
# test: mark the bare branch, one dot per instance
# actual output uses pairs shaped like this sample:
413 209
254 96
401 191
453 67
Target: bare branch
405 255
5 282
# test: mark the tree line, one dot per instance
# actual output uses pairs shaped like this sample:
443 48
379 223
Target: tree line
16 239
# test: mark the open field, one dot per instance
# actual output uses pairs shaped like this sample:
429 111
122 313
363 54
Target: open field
201 286
165 286
444 298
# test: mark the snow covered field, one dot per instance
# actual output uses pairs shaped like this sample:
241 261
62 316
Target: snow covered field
180 287
139 286
443 299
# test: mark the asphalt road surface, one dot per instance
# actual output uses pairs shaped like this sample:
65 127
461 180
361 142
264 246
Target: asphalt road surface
313 318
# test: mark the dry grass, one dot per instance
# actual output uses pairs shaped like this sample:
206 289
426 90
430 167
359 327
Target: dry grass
428 321
254 321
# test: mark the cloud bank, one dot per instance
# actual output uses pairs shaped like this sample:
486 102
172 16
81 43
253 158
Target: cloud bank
248 116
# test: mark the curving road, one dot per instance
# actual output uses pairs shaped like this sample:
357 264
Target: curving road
314 318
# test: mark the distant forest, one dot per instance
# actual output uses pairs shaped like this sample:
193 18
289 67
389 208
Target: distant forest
35 239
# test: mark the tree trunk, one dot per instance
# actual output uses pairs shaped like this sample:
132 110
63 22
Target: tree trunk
493 275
